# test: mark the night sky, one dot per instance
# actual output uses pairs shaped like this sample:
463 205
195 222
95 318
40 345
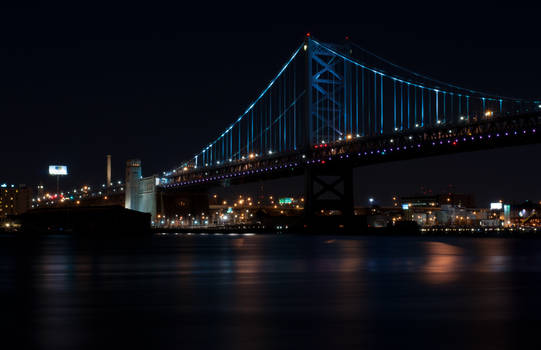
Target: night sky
157 82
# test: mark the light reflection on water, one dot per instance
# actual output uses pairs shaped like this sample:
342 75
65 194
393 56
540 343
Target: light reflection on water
444 263
251 291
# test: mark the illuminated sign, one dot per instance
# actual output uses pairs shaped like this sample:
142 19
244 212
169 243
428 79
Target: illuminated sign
58 170
496 206
286 200
405 206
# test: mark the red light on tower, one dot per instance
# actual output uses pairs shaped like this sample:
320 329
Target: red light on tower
347 37
307 35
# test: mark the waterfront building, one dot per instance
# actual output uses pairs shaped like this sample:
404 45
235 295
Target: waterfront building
133 176
14 199
527 214
437 200
140 193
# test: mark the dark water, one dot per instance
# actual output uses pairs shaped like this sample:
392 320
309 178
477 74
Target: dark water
270 292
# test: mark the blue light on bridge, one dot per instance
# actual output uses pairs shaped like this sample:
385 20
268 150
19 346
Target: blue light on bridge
341 107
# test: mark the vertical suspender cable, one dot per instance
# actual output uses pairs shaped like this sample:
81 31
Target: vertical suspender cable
295 107
415 105
369 98
344 107
350 100
422 107
444 106
483 106
271 139
356 100
375 103
338 111
381 98
452 104
401 106
408 94
394 99
362 102
437 116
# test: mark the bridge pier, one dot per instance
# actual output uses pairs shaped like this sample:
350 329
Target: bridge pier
328 188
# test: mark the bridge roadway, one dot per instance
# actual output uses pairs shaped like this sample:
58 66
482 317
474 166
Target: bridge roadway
494 132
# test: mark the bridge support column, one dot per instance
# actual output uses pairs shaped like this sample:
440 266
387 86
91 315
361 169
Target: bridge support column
328 189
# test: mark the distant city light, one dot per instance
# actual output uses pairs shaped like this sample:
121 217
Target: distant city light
286 200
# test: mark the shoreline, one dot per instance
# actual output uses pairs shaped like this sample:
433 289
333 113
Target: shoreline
324 231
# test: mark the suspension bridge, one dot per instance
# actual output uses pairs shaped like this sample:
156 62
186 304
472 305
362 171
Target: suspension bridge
332 108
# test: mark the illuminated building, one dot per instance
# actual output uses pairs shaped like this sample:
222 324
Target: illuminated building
435 201
14 199
140 192
133 175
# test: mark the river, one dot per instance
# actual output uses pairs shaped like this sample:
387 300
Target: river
270 292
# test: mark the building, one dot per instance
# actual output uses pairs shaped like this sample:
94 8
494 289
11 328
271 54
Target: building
437 200
140 192
146 195
527 214
14 200
133 176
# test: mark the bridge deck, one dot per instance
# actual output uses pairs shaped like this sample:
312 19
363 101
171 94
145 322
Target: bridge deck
360 151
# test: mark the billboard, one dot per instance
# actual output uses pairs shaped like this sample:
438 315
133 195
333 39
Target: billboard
496 206
58 170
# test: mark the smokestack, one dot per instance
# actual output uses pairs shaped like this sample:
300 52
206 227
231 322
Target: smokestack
108 170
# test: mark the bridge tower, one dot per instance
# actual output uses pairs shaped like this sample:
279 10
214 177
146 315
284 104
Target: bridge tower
326 80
